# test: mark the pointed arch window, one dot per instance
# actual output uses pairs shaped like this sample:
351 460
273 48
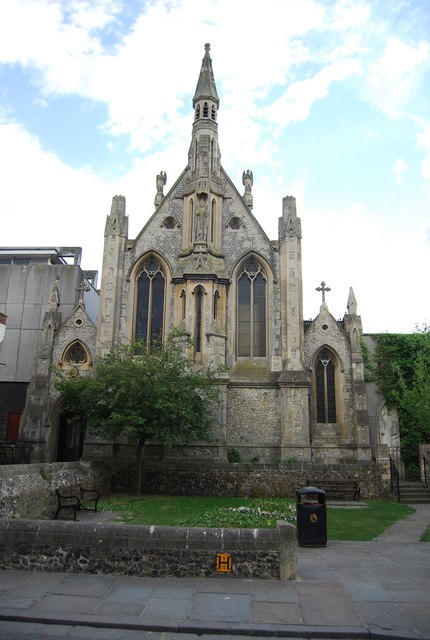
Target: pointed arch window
205 110
76 353
213 220
199 292
325 387
183 304
191 220
212 155
216 305
251 310
151 284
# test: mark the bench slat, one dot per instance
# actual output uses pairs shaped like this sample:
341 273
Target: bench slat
75 503
342 486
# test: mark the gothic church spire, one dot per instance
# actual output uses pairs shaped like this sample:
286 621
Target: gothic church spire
206 89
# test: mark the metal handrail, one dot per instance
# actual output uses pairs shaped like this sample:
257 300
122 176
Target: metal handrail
395 479
426 464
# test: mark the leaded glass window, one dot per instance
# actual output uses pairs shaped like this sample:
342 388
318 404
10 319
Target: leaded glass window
150 301
251 311
76 353
325 389
198 316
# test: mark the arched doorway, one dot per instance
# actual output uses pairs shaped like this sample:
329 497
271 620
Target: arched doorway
71 436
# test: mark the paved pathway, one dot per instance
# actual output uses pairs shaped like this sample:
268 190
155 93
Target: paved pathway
377 589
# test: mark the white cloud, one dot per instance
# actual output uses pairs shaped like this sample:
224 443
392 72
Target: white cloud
423 138
274 59
57 205
295 104
399 167
425 168
353 246
393 78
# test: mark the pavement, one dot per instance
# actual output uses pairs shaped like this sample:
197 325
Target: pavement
346 590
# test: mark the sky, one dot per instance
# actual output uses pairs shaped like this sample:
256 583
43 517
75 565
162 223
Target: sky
324 100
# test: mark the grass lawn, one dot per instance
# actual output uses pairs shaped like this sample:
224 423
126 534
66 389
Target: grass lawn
426 535
342 524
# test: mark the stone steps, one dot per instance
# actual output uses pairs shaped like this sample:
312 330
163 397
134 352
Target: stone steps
414 493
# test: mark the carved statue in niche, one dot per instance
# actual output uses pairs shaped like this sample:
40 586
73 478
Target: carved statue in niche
389 427
201 222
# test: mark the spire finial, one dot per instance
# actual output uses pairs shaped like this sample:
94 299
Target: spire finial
206 89
351 305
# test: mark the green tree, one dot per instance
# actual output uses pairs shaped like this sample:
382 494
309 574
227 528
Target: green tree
138 392
417 399
401 369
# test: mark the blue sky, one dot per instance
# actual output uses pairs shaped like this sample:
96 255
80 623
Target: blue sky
326 100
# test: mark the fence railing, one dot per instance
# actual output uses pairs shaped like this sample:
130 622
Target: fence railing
11 453
395 478
426 464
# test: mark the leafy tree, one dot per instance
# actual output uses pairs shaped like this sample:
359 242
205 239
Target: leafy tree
416 400
401 369
138 392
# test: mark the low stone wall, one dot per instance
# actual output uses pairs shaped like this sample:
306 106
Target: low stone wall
147 550
255 481
28 490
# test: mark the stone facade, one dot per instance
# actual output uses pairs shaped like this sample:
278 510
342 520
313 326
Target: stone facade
290 390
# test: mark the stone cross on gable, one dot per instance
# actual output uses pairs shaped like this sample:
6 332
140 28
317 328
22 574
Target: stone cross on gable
83 287
323 289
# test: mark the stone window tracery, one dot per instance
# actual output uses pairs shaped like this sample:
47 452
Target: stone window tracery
235 223
199 292
251 310
75 354
150 301
325 388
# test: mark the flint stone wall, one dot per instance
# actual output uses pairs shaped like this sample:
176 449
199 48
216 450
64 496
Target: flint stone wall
254 481
150 551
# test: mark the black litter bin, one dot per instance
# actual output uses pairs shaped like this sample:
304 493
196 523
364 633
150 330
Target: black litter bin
311 517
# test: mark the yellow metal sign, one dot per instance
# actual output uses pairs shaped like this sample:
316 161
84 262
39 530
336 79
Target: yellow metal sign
224 562
313 518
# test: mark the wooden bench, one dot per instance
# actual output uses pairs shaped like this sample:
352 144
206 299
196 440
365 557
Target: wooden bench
78 501
341 488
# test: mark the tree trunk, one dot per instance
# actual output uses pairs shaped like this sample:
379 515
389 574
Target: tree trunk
139 460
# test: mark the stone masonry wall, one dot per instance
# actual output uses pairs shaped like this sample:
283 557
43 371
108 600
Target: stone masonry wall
149 551
253 419
28 490
256 480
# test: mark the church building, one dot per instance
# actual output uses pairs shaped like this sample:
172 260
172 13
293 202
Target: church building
291 390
